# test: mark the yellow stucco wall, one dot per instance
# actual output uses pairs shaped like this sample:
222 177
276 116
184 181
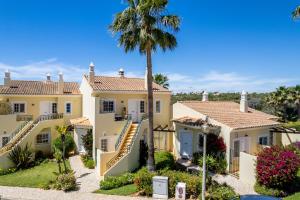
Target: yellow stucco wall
32 103
287 138
8 124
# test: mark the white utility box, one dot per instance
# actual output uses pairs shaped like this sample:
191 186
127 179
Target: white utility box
180 191
160 187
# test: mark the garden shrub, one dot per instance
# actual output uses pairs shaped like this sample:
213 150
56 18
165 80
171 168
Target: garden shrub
215 145
112 182
220 192
88 161
21 157
7 171
69 144
143 155
193 183
143 181
196 157
277 167
214 164
164 160
87 141
65 182
261 189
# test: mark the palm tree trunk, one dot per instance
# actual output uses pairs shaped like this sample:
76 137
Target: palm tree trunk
150 163
63 156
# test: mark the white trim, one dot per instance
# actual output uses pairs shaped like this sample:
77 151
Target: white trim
19 102
66 108
106 99
95 92
44 133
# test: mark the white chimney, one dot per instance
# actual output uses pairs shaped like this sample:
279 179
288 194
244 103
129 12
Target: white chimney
146 79
244 102
61 83
48 75
92 73
7 78
205 96
121 73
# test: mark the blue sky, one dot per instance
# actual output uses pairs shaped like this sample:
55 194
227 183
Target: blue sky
222 46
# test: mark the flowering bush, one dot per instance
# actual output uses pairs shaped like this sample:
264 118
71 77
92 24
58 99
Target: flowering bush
276 167
215 144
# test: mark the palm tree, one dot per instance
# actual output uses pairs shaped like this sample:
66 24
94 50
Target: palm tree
296 13
62 131
162 80
144 25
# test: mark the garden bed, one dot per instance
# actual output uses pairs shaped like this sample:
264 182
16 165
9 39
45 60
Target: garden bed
126 190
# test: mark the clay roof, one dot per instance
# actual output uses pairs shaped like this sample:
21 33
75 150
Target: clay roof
105 83
228 113
193 121
82 121
17 87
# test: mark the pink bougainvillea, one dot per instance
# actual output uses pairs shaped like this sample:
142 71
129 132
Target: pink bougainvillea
277 166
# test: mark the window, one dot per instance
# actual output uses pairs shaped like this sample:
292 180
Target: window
107 106
157 106
19 107
5 140
43 138
104 145
142 106
54 107
68 108
263 140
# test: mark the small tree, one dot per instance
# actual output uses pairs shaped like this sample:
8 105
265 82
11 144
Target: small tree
62 131
58 157
87 141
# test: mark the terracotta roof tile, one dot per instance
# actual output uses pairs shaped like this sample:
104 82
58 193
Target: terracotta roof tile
18 87
104 83
228 113
82 121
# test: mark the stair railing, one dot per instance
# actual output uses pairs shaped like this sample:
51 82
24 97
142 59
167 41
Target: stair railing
14 140
122 135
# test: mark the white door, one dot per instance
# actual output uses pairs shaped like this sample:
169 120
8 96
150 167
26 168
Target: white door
133 109
186 144
45 107
81 148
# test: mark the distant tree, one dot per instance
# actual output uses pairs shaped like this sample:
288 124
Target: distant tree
296 13
284 101
162 80
146 25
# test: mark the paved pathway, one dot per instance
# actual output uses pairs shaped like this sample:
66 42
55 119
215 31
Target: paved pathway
87 179
239 187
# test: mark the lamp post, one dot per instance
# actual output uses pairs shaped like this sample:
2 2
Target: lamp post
205 131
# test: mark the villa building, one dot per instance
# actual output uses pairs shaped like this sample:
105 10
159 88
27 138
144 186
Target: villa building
243 129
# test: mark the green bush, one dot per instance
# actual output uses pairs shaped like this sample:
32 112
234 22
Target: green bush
261 189
164 160
88 161
69 144
214 164
21 157
112 182
193 183
87 141
220 192
143 181
7 171
65 182
196 157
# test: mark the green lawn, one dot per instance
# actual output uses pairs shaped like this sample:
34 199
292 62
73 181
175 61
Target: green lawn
35 177
122 191
295 125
